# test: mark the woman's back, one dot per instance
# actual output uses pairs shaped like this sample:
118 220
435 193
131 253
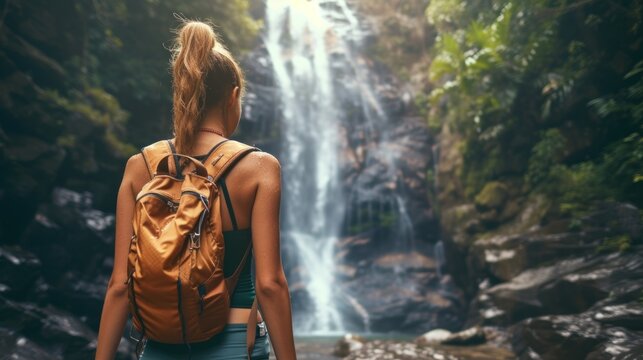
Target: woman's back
208 86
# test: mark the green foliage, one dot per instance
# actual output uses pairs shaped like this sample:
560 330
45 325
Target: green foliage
544 156
618 243
576 187
98 108
443 13
128 52
506 70
384 220
622 165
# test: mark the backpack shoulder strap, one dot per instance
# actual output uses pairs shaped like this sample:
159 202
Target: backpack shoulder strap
225 155
222 158
154 152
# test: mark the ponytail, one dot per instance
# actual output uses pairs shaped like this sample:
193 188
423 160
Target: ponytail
204 74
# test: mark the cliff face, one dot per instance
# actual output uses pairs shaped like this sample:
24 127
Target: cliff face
537 231
54 127
548 280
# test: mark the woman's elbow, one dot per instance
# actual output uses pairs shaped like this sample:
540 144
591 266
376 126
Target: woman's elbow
272 287
117 288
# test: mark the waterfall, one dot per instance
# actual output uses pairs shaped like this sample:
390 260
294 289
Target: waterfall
313 204
314 49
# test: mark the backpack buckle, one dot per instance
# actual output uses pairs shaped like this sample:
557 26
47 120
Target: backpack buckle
195 242
131 336
262 328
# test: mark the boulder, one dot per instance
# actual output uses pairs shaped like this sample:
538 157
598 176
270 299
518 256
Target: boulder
493 196
505 256
69 235
18 347
399 301
65 335
566 287
620 344
581 336
435 336
471 336
413 261
19 269
348 344
629 315
557 337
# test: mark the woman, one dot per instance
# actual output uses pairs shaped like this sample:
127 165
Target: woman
208 86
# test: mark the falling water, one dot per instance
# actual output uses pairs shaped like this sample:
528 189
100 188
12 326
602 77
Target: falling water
304 39
296 42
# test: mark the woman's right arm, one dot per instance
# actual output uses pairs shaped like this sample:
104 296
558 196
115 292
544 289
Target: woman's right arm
272 287
115 307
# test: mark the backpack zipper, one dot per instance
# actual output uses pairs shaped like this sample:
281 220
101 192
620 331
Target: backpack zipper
195 236
201 197
173 205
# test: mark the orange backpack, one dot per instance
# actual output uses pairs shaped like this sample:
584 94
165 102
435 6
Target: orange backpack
176 286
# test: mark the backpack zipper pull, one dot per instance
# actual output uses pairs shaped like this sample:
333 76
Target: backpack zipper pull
194 241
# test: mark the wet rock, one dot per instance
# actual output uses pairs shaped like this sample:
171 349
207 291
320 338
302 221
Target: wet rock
619 218
348 344
398 262
569 286
506 256
629 316
399 301
345 271
405 350
18 347
436 336
351 249
19 269
558 337
515 248
259 123
69 235
575 337
81 297
621 344
48 325
472 336
492 196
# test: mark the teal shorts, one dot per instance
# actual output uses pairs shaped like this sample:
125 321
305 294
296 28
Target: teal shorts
229 344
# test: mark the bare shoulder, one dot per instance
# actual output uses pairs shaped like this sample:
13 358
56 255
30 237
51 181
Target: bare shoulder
135 165
136 173
262 165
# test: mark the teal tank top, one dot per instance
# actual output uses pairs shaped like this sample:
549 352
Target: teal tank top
236 242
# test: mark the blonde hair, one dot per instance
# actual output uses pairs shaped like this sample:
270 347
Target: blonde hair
204 73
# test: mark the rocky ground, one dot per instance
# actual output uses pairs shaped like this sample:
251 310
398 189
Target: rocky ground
558 289
53 282
352 347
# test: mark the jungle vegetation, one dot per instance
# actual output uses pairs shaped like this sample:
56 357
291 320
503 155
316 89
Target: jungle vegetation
545 95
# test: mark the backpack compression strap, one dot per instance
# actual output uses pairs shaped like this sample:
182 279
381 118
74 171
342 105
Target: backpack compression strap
218 162
154 152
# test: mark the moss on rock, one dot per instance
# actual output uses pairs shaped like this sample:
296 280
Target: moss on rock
493 196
